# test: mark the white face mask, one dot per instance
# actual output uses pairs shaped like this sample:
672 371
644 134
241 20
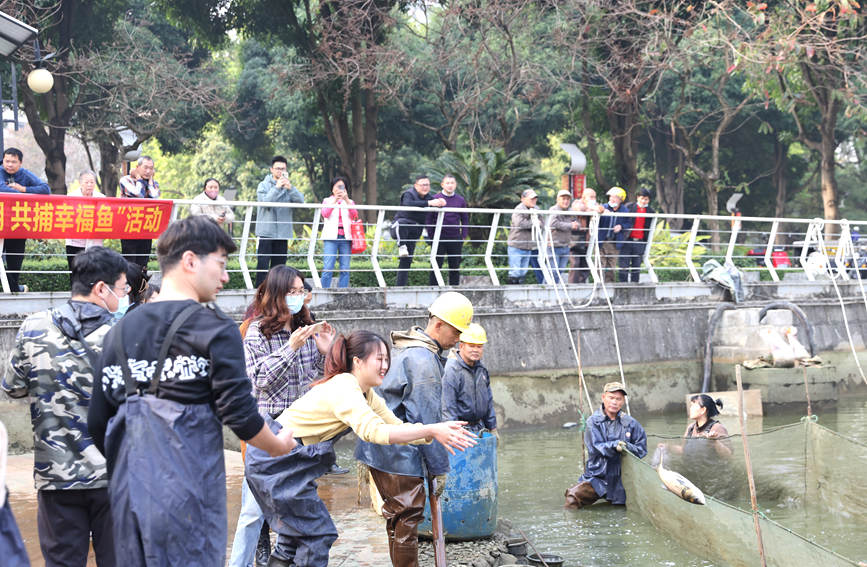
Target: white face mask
294 303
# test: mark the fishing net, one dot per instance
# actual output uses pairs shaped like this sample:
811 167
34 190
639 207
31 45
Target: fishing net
808 479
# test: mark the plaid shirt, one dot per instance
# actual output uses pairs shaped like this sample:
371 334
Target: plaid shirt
279 374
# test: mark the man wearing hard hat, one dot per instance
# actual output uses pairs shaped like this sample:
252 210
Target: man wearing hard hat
467 386
412 389
613 228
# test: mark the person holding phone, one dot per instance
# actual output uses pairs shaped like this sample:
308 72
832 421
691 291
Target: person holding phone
284 350
336 235
274 224
210 204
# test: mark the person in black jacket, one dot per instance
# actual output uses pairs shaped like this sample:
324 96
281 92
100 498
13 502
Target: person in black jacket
170 375
410 224
635 240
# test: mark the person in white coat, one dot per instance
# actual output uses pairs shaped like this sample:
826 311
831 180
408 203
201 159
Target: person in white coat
211 204
336 234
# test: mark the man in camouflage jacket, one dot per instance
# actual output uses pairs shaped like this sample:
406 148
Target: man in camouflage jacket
52 362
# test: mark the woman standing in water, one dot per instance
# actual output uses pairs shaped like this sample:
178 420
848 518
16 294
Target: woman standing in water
285 487
702 410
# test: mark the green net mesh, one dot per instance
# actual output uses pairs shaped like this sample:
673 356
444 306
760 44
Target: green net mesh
809 491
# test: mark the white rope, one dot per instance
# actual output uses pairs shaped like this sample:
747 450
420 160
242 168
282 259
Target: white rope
613 323
541 245
821 240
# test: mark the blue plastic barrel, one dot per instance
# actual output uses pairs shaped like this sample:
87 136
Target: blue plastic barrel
469 501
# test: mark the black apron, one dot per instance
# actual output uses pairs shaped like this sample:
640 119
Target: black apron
168 479
285 489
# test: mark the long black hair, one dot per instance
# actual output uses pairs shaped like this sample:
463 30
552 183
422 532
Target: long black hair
711 404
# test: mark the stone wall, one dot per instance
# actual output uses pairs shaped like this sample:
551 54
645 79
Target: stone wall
662 331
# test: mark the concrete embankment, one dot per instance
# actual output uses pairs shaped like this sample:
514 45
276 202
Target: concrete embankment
662 332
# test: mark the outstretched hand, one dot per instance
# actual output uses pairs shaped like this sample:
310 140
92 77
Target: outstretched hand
453 436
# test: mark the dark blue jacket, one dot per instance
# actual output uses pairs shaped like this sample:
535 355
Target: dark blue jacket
607 222
467 394
411 198
25 178
412 390
603 460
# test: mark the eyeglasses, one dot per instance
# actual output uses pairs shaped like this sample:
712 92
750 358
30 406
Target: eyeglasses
297 291
126 288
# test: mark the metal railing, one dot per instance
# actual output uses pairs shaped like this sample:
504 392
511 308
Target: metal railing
770 247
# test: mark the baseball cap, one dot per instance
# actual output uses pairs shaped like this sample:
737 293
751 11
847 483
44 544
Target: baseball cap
562 192
528 194
615 387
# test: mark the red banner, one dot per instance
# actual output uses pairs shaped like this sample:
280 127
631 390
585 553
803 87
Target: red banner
59 216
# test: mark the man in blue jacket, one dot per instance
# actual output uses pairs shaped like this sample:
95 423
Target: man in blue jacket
467 385
412 389
16 179
274 224
609 431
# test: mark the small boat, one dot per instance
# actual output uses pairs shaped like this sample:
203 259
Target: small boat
718 531
469 501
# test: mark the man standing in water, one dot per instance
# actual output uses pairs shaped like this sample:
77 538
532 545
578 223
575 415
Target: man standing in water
608 432
412 390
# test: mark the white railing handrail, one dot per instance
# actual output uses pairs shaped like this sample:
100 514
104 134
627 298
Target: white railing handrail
733 225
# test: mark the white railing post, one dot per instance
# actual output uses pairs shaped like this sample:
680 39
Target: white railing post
769 250
812 236
736 227
242 257
844 248
311 248
174 216
693 234
592 258
646 260
492 235
374 251
434 247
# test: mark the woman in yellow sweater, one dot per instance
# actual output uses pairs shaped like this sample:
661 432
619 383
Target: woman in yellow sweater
285 487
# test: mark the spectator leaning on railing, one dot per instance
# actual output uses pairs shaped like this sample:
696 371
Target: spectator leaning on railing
525 227
139 184
274 224
454 231
210 204
561 234
632 250
86 188
16 179
410 224
581 237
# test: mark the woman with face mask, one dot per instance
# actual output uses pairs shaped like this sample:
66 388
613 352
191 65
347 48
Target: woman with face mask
284 352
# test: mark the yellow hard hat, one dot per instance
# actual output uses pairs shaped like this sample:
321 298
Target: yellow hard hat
619 191
453 308
475 334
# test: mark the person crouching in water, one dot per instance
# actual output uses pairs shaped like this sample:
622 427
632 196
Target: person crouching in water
609 431
467 386
344 399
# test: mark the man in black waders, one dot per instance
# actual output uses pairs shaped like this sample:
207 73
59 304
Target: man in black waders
171 372
412 389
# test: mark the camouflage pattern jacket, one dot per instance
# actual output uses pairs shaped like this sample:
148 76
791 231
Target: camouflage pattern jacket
55 370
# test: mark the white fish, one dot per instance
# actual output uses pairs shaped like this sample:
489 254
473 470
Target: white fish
679 484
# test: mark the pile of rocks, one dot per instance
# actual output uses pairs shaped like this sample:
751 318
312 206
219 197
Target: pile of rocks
490 552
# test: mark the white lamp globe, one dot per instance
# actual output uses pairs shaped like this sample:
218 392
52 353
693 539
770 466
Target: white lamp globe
40 80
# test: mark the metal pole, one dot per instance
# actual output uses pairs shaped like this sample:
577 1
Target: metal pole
688 256
311 248
749 465
769 248
434 247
